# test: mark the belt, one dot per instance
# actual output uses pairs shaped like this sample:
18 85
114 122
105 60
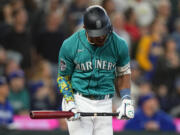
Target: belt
95 97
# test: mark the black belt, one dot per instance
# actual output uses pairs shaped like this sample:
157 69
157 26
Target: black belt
96 97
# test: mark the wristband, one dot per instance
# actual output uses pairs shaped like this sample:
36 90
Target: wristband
125 93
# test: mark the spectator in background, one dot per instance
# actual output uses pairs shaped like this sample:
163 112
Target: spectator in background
5 21
49 6
144 12
6 110
60 7
149 117
6 14
35 15
19 96
118 22
3 60
7 17
145 87
150 48
41 96
41 76
176 34
109 6
75 13
131 25
7 9
19 39
11 66
16 4
164 11
175 8
168 66
122 5
42 71
50 38
175 100
132 29
163 97
55 6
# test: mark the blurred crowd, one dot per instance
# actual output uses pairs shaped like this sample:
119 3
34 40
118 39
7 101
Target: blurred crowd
32 32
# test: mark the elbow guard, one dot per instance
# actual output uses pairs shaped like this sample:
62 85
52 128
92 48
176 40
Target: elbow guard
120 71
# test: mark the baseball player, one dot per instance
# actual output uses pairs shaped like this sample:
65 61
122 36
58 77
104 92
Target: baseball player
89 62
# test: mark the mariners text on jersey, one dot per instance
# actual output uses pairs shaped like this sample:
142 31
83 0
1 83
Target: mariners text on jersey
98 65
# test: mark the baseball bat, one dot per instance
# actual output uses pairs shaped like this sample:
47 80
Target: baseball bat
64 114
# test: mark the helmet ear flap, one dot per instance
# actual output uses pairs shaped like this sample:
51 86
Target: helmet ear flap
110 29
110 26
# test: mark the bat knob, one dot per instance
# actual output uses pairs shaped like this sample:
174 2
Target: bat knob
31 115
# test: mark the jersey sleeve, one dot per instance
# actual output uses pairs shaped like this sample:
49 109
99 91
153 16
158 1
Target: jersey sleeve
123 62
65 70
66 64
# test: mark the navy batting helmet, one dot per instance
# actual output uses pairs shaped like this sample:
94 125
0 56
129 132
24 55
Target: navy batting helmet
96 21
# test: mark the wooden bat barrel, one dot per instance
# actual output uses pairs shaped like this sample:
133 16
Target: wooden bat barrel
50 114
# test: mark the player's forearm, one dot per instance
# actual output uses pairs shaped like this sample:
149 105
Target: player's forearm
65 87
123 82
123 85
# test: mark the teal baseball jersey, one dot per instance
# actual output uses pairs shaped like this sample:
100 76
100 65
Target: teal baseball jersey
92 69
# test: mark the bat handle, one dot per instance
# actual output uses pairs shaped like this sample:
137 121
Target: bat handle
83 114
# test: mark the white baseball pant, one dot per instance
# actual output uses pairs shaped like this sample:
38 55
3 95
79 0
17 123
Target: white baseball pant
91 125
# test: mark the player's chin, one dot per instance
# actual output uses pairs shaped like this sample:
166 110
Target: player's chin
99 44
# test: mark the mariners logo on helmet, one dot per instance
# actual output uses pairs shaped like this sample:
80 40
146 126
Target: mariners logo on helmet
97 22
